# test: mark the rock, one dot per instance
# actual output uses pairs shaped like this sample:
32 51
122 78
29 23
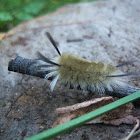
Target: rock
105 31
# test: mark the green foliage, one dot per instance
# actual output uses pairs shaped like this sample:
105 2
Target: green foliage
12 12
5 16
33 8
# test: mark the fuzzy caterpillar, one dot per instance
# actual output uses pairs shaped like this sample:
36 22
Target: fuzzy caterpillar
75 72
78 73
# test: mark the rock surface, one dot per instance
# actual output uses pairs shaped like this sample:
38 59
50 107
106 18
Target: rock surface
105 31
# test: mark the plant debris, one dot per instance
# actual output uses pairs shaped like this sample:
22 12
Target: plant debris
116 117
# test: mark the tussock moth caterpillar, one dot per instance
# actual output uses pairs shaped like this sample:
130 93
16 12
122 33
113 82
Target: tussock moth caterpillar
75 72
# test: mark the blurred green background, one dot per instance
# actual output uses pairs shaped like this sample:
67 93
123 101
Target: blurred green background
13 12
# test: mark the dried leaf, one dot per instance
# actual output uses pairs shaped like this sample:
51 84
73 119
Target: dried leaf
116 117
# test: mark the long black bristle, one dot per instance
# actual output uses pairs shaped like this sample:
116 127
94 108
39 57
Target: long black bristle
126 63
45 59
45 65
126 74
53 42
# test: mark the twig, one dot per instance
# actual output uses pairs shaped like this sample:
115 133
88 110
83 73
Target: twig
133 130
49 26
135 134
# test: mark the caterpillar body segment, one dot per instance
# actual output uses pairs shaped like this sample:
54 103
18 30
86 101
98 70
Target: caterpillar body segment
75 72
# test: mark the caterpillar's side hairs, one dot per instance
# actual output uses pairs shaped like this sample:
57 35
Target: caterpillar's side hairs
53 42
45 59
77 73
126 63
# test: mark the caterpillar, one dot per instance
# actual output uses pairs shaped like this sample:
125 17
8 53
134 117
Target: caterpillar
74 72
